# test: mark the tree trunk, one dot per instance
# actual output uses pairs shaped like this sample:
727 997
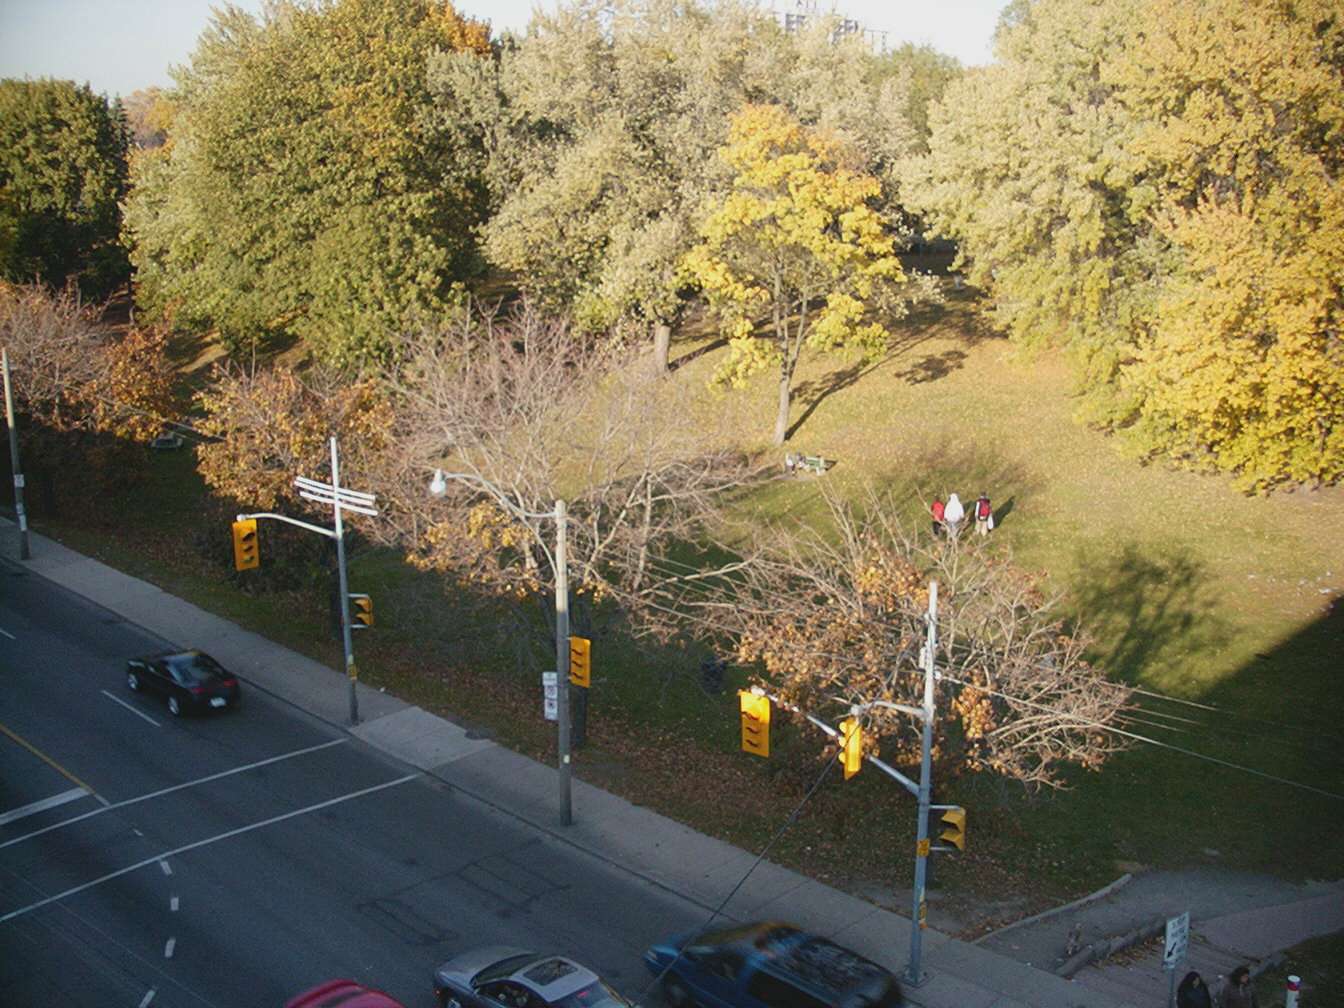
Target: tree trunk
662 343
782 417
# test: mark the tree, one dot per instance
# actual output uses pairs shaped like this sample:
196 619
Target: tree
62 174
1155 188
305 191
601 124
149 117
836 617
795 237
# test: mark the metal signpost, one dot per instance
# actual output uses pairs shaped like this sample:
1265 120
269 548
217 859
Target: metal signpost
1173 951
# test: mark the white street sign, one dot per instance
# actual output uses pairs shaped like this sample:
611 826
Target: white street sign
550 690
1178 939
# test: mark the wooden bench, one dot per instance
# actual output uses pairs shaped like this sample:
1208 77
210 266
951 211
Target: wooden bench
795 463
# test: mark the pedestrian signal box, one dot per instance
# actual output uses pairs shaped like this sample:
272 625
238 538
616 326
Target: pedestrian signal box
851 746
361 612
246 550
580 661
954 819
755 722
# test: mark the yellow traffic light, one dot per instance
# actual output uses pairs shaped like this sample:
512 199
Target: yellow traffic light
851 746
246 551
955 821
580 661
755 722
361 612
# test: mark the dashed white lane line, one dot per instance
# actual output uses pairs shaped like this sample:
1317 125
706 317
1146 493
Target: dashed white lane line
8 634
172 904
204 843
32 808
175 787
168 948
139 714
167 868
149 996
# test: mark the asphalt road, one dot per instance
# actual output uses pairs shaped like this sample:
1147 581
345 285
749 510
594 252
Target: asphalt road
234 859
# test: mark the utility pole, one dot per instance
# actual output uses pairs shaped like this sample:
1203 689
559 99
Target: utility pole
919 911
562 663
19 513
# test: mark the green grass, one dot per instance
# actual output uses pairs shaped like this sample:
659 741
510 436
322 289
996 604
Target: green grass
1192 589
1319 964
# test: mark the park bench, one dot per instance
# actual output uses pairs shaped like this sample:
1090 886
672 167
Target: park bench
795 462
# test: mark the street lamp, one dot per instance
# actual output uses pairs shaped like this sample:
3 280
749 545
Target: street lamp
438 486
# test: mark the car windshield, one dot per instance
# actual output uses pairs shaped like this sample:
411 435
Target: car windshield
197 668
595 995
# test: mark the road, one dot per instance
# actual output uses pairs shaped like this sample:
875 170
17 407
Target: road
235 859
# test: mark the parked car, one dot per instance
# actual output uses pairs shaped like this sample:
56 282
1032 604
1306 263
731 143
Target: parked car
501 977
346 993
767 965
190 680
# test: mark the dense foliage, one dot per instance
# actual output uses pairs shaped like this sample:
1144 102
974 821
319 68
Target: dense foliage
62 174
304 190
1157 188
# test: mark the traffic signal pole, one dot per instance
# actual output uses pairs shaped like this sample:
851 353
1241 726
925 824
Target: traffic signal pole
914 974
20 515
562 664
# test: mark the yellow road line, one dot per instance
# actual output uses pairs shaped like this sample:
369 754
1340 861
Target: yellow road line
47 759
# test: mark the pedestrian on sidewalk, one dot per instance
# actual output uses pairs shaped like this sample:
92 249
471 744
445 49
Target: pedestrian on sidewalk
984 515
937 510
953 514
1239 992
1193 992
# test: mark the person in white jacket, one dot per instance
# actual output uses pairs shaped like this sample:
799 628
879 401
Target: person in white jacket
953 514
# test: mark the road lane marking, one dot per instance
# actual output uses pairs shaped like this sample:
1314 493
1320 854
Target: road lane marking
137 713
172 904
8 634
176 787
149 996
203 843
167 868
74 794
168 948
50 762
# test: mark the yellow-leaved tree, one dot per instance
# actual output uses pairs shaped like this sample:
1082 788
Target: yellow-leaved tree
795 240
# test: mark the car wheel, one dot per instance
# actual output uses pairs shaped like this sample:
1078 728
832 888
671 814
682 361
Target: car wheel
174 707
133 681
676 994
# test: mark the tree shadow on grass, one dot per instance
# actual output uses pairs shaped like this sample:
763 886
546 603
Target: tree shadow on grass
1146 608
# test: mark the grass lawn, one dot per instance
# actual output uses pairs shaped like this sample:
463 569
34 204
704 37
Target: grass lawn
1194 591
1320 966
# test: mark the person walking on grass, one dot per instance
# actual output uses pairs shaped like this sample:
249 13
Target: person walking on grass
937 510
984 515
953 513
1193 992
1239 992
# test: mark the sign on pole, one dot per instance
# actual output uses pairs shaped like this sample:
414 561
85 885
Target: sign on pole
1178 939
550 689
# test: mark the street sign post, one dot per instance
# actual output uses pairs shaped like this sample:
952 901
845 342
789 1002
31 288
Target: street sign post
1173 951
550 689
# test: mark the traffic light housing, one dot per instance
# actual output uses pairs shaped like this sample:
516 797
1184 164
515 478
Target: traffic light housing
954 819
580 661
755 722
246 550
851 746
361 612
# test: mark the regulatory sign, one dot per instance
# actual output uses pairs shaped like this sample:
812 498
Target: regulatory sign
1178 938
550 689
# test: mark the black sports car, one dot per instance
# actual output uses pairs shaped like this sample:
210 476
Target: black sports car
190 680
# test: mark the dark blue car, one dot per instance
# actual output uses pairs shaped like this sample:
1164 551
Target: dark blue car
767 965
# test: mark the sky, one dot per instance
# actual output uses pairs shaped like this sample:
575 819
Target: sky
118 46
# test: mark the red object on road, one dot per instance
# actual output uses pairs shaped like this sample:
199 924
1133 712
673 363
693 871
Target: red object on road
346 993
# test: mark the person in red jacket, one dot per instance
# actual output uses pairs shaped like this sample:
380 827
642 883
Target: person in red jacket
984 515
937 510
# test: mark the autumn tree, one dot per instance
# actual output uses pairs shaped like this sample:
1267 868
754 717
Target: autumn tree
149 116
1156 188
835 617
795 240
304 190
62 174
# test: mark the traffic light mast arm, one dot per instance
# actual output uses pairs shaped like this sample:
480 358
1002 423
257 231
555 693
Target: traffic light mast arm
835 733
290 521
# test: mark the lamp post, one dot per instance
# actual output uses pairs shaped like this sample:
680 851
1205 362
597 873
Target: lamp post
438 486
19 513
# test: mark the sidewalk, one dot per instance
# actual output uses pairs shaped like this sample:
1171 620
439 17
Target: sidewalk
667 853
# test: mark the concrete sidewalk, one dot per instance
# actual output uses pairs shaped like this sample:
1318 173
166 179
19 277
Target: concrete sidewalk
667 853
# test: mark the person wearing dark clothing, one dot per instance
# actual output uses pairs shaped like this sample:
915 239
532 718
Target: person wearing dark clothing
1239 992
937 510
1193 992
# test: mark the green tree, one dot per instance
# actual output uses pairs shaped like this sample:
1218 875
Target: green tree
304 190
1156 188
62 173
796 239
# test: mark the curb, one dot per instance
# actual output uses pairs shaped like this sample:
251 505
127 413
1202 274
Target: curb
1104 891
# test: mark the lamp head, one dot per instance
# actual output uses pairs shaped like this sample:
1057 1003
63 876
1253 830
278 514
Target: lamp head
438 486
